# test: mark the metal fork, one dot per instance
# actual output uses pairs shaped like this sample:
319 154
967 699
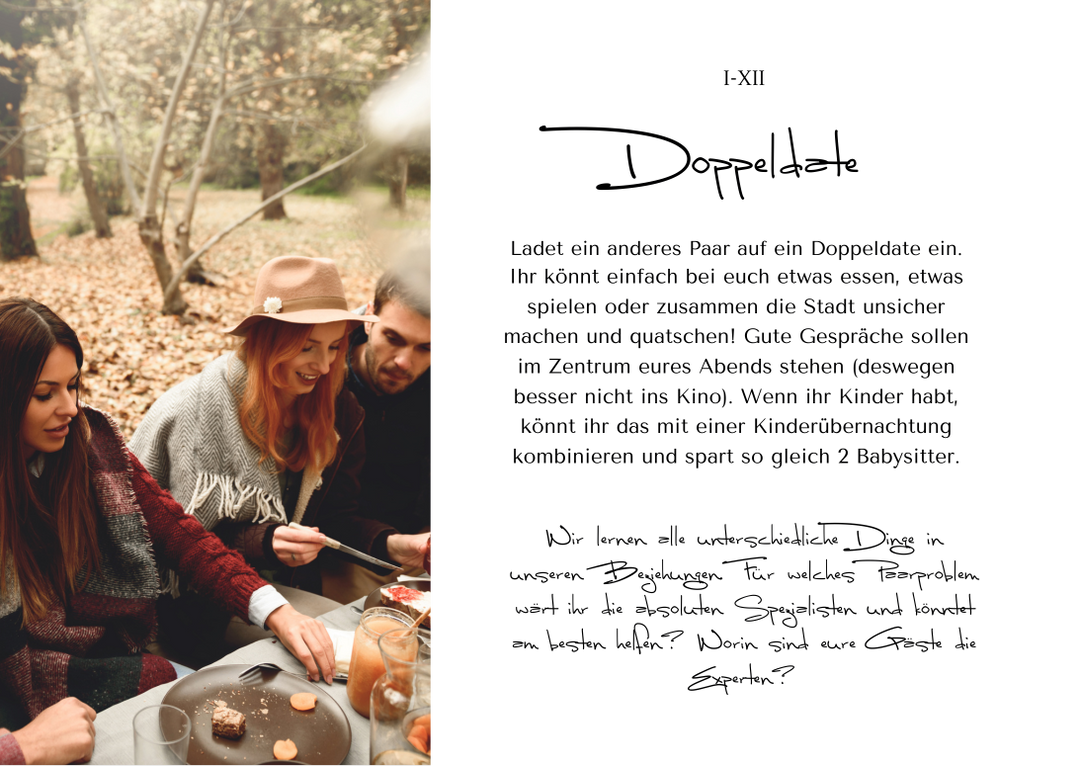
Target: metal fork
254 674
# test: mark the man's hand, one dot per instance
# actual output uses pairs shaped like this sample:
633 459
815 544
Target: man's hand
63 733
296 547
307 639
410 550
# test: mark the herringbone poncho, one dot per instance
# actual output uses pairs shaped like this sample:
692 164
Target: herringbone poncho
192 441
90 650
193 445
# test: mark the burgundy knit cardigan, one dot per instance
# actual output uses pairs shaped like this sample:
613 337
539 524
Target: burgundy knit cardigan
92 649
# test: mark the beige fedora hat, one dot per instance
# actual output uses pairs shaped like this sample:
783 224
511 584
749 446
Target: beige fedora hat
294 288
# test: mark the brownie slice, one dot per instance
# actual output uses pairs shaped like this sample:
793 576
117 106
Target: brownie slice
228 723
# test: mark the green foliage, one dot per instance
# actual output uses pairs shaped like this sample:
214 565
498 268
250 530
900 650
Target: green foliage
78 225
235 175
69 178
419 192
333 184
107 179
35 153
336 183
232 164
110 186
419 170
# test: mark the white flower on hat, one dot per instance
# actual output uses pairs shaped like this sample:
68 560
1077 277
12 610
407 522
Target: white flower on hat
272 305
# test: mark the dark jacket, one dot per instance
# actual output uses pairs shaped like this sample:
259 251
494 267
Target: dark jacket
395 483
334 508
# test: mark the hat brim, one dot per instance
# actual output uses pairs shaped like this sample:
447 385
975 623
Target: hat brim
311 316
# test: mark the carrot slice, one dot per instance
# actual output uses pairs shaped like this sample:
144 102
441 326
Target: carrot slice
420 734
423 728
302 701
285 750
419 744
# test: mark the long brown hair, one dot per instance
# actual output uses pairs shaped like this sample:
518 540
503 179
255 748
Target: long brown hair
266 346
47 527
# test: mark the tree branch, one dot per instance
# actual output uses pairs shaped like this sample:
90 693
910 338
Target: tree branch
75 116
66 158
149 206
13 142
33 128
241 89
114 122
46 8
174 285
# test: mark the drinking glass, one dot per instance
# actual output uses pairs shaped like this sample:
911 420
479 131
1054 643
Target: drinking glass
162 734
401 701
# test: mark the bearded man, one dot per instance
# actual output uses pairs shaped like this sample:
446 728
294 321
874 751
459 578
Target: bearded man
389 373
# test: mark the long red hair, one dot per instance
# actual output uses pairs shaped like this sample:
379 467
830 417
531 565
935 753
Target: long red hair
266 347
48 528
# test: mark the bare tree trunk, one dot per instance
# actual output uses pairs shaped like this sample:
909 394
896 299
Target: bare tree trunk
271 156
93 200
150 226
272 143
398 177
183 228
175 284
398 161
16 238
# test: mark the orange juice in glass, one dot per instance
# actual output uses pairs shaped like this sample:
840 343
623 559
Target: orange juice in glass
366 664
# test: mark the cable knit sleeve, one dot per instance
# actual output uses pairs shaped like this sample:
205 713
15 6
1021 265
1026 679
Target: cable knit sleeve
180 542
255 542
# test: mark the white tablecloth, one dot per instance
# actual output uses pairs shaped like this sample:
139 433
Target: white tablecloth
115 744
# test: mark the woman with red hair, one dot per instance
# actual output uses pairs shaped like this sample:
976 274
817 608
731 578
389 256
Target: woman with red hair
268 435
84 534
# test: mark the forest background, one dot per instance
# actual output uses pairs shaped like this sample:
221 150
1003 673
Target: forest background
154 154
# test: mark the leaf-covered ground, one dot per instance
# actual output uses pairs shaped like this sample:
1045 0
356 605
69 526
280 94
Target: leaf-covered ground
108 292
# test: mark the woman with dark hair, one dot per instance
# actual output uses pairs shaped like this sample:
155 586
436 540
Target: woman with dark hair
85 532
269 435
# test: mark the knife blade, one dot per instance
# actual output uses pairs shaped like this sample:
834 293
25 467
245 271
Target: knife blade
338 546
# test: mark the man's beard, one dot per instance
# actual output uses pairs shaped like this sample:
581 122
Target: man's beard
373 374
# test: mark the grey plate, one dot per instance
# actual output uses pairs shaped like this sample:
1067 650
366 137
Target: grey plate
321 735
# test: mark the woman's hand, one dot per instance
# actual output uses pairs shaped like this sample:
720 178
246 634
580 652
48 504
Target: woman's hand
410 550
307 639
62 733
296 547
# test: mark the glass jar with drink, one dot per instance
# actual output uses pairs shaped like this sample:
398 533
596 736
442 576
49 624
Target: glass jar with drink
366 663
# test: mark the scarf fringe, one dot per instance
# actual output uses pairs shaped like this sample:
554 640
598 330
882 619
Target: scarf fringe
170 583
224 497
